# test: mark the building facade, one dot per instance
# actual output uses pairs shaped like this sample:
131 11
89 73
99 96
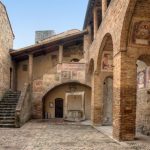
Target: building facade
99 74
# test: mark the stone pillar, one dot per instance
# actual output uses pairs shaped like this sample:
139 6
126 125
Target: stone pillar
66 106
83 104
30 69
95 21
60 53
104 7
96 100
124 101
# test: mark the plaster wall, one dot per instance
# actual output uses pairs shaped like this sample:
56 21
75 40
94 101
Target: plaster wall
60 92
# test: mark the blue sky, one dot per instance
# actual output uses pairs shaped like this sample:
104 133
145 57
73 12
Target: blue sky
27 16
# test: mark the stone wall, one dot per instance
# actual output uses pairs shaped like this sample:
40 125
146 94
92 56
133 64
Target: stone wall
6 43
47 66
47 73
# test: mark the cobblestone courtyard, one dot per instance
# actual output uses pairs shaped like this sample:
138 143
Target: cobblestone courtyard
45 136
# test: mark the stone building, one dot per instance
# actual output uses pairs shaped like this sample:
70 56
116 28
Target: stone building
100 74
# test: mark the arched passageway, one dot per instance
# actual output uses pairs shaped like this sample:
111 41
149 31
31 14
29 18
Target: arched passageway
71 101
101 91
107 101
143 95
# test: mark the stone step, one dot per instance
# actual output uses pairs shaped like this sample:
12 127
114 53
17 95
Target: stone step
7 109
3 125
7 121
10 97
13 92
7 106
7 118
5 98
9 100
8 103
3 114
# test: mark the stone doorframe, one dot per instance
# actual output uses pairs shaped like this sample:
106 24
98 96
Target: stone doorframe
82 94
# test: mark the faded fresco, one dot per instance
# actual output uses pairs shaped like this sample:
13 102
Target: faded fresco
107 61
141 80
38 85
141 33
71 71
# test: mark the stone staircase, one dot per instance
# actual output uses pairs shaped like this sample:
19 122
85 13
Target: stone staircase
7 109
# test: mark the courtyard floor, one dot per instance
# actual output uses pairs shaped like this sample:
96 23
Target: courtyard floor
40 135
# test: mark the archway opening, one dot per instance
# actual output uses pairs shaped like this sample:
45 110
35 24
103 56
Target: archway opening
104 85
70 101
107 101
143 95
105 69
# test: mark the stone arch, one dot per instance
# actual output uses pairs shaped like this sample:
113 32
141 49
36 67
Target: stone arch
126 24
99 75
59 92
136 11
106 45
64 83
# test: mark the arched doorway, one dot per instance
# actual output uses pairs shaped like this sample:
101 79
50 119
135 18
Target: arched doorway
107 101
59 108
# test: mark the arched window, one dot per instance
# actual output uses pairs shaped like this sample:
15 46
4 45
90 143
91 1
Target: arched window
75 60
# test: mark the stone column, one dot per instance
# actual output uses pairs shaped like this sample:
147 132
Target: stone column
60 53
124 93
83 104
104 7
96 100
30 69
95 21
66 106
